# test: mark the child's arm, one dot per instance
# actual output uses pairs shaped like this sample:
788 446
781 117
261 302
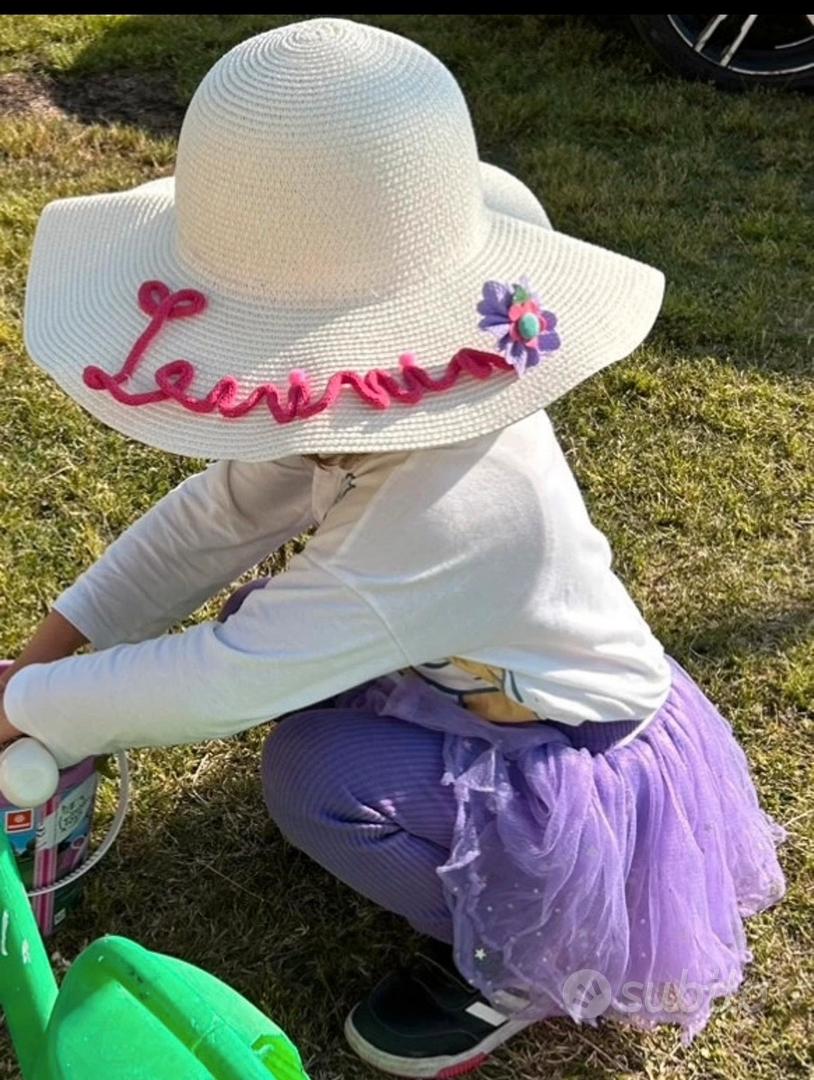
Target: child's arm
202 535
305 636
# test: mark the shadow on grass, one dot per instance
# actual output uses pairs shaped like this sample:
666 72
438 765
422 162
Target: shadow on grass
121 98
144 69
758 633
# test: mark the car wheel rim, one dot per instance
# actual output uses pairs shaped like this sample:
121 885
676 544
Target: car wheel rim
750 45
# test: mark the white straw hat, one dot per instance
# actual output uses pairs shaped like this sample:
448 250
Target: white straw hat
331 269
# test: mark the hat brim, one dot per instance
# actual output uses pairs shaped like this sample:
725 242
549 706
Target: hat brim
91 255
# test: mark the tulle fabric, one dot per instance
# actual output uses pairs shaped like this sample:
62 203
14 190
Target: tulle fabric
612 884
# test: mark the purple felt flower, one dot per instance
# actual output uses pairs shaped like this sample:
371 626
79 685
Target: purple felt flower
513 313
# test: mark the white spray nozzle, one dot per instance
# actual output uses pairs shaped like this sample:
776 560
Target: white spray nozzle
28 773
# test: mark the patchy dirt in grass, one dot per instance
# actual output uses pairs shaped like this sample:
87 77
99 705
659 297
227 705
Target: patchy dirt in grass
23 94
95 99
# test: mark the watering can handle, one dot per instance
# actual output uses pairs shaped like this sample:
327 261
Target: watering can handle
107 841
29 776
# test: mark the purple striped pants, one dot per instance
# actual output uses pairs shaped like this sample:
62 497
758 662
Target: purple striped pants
361 794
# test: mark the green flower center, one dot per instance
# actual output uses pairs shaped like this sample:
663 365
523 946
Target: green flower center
528 327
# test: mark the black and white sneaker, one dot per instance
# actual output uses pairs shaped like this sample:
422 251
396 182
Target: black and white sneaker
427 1021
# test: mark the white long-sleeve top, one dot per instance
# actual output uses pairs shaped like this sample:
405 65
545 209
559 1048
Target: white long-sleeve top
475 564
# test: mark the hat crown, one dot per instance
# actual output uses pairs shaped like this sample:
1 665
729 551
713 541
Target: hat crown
327 161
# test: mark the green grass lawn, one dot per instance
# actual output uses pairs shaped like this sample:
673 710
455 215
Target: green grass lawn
695 456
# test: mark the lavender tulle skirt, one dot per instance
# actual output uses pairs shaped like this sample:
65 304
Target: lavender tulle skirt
609 884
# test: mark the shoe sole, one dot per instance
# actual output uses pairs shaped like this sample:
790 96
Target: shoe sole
436 1068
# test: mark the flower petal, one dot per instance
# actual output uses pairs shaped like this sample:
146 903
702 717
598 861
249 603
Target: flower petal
496 296
483 308
550 319
495 324
548 342
520 365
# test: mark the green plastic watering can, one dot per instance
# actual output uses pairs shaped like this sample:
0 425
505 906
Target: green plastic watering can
123 1012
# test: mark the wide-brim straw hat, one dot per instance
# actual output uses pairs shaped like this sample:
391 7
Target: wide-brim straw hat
332 269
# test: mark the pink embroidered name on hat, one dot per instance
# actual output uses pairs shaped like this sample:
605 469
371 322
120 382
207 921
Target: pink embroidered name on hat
174 380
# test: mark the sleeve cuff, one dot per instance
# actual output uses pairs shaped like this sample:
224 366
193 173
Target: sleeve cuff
19 705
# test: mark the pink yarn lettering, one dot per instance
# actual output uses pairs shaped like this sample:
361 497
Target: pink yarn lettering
377 388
